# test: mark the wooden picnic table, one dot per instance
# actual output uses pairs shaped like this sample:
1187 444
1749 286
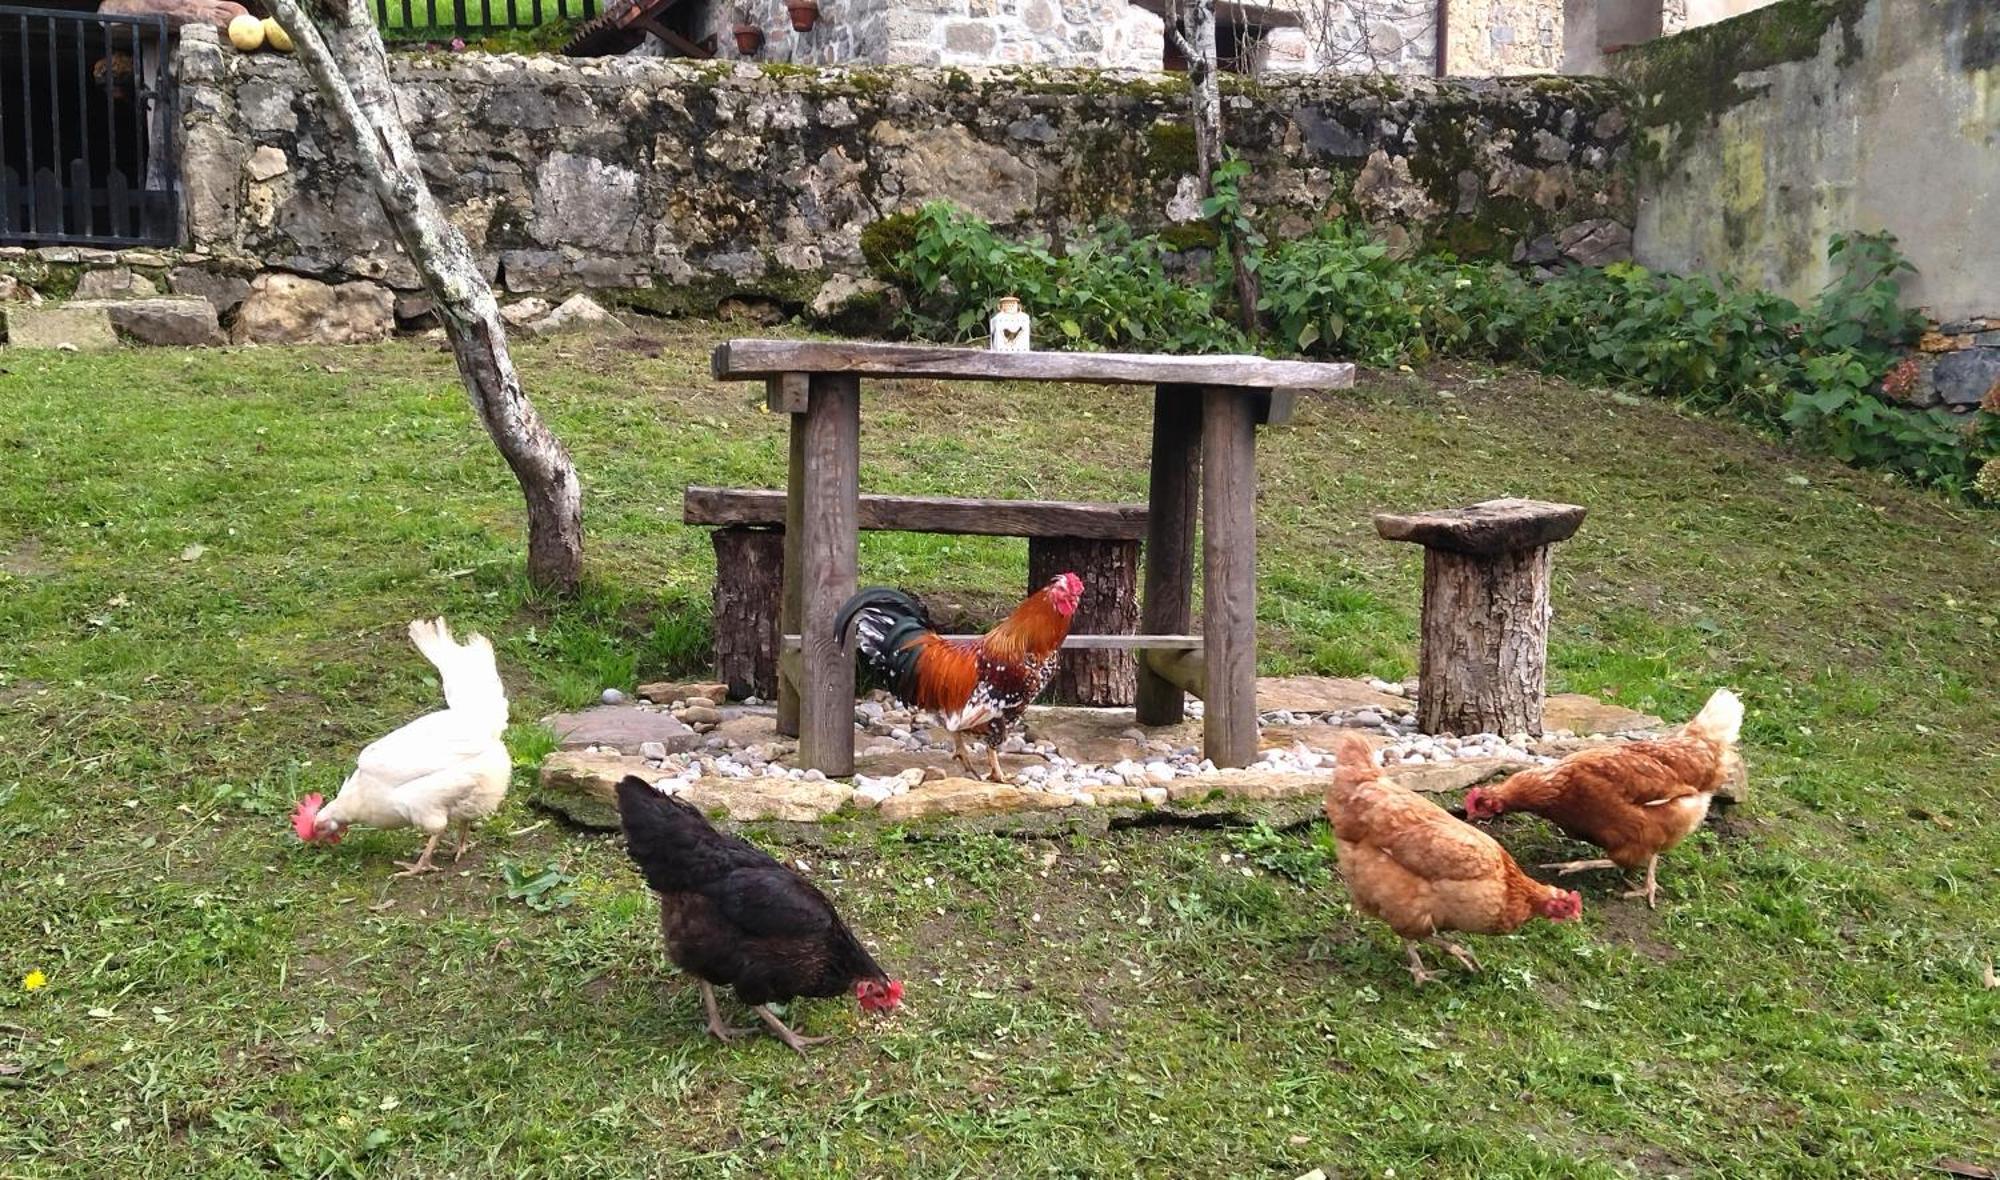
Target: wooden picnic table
1206 410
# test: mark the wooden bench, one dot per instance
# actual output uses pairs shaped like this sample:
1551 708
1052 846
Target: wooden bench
1100 542
1483 659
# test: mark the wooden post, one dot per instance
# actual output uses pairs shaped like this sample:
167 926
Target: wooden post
828 554
1110 573
791 609
1483 664
1229 574
1168 608
749 572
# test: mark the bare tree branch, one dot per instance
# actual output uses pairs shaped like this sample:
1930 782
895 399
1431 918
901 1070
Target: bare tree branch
350 68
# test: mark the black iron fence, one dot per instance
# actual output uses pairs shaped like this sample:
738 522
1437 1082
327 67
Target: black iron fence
447 18
86 130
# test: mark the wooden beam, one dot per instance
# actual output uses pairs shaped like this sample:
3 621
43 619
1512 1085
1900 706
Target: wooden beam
1276 407
747 360
785 393
1168 604
828 554
791 608
1184 668
1229 574
1079 642
931 514
687 47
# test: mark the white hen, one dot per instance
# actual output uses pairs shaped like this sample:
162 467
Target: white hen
442 770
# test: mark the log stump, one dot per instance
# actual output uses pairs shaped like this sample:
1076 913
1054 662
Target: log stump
1483 660
1110 606
749 585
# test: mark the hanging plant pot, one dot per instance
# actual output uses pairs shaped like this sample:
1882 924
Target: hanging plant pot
804 13
749 39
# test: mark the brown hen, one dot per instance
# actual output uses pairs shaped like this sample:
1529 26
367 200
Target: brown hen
1634 800
1412 864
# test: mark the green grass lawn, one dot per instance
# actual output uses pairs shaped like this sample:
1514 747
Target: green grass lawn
207 560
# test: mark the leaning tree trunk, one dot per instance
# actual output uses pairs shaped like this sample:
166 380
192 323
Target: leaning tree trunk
1110 606
1196 41
351 70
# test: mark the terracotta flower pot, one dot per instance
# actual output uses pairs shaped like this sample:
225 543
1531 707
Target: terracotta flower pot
804 13
749 39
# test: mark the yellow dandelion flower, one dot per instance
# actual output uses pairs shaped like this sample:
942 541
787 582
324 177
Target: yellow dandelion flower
33 980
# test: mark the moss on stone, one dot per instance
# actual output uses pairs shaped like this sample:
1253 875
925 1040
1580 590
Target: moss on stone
1169 149
1191 235
52 280
1685 81
884 242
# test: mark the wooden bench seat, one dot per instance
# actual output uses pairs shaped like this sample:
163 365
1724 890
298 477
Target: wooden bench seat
1100 542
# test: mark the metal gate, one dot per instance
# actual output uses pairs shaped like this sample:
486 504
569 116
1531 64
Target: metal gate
86 130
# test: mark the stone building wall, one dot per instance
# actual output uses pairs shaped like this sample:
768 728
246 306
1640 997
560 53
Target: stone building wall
1104 33
1772 132
676 186
1504 37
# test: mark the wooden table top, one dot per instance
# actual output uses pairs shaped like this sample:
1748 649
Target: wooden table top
748 360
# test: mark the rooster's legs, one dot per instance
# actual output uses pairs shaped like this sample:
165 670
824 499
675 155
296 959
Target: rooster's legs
964 757
463 845
1650 891
797 1042
993 760
716 1028
1417 971
423 862
1565 868
1455 951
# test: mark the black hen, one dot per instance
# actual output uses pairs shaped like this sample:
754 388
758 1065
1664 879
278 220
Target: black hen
732 916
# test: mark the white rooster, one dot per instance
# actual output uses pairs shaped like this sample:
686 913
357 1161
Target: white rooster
442 770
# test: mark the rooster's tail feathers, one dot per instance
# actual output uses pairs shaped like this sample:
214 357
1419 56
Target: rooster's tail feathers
886 626
467 671
1720 720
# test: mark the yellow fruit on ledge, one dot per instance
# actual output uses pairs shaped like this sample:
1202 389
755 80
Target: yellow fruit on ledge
246 33
276 37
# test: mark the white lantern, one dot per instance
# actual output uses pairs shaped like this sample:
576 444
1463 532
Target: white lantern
1010 327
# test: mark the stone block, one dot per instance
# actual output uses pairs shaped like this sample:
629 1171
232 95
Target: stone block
224 292
85 329
292 309
182 321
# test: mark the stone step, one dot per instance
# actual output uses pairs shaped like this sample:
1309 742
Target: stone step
94 325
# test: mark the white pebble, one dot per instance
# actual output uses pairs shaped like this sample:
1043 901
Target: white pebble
612 696
1154 796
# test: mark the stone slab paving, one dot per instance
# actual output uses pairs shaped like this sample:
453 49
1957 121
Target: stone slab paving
733 763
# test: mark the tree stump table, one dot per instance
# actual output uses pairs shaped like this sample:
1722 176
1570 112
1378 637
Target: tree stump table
1483 660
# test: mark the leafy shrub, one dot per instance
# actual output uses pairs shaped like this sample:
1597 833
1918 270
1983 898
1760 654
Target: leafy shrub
1811 372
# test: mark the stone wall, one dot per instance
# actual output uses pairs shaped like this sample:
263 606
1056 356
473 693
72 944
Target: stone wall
1769 133
675 186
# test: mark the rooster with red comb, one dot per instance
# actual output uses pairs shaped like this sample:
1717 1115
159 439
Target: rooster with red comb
979 687
447 769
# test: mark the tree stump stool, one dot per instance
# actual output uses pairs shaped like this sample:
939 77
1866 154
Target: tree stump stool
1483 661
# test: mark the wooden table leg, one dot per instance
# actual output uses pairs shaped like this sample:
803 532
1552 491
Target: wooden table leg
1170 511
1229 573
791 609
828 554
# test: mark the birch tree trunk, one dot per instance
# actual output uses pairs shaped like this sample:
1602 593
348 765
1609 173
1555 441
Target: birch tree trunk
1196 41
342 51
